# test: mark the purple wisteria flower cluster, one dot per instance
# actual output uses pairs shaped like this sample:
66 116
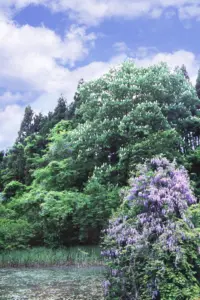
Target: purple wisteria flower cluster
158 197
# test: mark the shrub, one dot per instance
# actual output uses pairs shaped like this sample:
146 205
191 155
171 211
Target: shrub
13 188
14 234
73 217
151 245
65 217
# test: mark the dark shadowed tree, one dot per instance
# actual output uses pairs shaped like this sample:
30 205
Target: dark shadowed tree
185 72
198 84
26 127
76 103
38 123
60 112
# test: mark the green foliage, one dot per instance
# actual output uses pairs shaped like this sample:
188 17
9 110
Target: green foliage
63 174
72 217
66 217
194 215
6 212
198 84
127 107
58 148
160 143
13 188
152 243
29 206
26 155
60 112
93 214
57 175
185 72
177 280
12 166
73 107
26 127
14 233
45 257
192 163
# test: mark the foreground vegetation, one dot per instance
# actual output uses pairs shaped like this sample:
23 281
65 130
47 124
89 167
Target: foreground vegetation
67 175
152 244
46 257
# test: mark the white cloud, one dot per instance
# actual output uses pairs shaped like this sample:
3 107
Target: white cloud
142 52
94 11
143 57
8 97
47 101
91 12
10 119
11 115
177 58
35 56
190 11
35 59
121 47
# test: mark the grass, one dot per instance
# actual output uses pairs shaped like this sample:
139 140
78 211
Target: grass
45 257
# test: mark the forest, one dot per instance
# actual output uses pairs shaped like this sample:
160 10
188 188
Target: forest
117 167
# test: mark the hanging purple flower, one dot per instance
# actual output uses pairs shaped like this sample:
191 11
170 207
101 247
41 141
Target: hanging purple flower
157 198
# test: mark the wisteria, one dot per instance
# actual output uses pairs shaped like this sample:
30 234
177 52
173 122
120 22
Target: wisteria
153 213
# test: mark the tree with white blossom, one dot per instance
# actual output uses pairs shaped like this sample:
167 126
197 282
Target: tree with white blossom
131 114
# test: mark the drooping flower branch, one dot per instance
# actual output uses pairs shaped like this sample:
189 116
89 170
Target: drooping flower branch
154 215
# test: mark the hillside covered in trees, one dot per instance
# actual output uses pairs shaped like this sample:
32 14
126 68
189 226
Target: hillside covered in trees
67 173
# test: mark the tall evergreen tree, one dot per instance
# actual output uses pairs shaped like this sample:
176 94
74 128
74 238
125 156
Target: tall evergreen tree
198 84
14 164
26 127
185 72
76 103
2 153
60 112
38 123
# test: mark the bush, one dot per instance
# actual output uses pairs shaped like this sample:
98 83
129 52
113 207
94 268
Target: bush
6 212
65 217
13 188
151 245
28 206
14 234
74 217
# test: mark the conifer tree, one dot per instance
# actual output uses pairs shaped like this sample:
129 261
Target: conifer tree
60 112
185 72
76 103
198 84
38 122
26 127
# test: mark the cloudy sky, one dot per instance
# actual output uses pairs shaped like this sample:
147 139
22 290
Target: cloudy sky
46 46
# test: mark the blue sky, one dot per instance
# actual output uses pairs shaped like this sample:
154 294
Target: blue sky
46 46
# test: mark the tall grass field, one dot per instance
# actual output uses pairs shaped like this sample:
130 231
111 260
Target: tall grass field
45 257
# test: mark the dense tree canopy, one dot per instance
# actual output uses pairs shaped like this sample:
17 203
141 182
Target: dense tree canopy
62 177
123 111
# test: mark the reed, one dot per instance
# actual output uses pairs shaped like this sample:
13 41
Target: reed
45 257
